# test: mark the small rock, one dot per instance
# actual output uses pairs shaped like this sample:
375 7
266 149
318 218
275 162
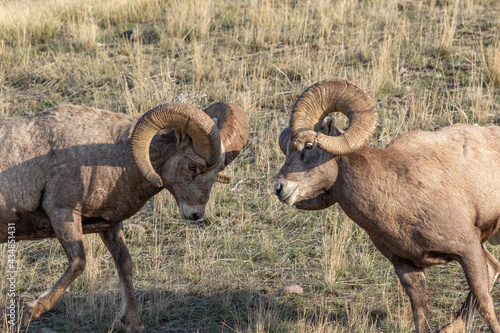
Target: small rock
131 34
294 289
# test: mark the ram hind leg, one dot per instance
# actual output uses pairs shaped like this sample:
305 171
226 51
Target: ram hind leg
114 239
68 229
468 310
413 280
476 263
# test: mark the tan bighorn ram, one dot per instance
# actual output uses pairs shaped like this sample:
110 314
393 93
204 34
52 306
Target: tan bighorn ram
73 170
425 199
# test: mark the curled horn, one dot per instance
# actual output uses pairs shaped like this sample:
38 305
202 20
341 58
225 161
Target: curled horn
325 97
233 128
224 179
194 122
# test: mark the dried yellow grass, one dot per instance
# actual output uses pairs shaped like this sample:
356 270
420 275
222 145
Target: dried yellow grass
427 63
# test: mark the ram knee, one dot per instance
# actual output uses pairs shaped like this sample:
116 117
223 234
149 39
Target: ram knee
77 265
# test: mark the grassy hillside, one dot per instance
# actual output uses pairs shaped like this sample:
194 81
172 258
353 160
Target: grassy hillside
427 63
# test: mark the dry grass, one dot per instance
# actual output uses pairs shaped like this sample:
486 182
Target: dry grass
427 63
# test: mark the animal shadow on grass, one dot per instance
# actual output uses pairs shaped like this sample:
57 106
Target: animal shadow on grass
167 311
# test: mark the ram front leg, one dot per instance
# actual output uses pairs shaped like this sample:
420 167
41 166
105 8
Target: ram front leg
413 280
68 229
114 239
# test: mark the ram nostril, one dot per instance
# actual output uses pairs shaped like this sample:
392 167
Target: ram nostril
196 216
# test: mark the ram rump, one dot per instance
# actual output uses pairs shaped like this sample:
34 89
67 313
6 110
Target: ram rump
425 199
73 170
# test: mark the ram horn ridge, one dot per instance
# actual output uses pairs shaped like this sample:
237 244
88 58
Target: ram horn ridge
334 95
194 122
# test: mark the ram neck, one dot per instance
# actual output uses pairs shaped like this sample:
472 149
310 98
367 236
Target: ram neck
363 178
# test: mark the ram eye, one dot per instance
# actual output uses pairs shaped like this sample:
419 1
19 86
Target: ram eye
192 167
308 146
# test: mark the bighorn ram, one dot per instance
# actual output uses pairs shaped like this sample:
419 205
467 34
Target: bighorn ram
73 170
425 199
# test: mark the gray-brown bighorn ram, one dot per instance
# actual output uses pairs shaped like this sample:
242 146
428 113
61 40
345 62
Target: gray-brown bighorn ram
425 199
73 170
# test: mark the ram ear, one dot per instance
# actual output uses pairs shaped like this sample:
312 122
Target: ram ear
182 138
329 128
